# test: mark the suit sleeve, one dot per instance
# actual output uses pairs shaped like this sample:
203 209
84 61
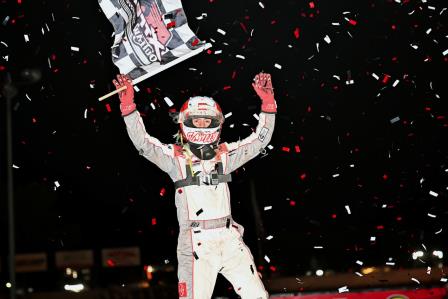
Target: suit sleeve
244 150
149 147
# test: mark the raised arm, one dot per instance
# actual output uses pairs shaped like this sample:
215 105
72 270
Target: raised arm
244 150
151 148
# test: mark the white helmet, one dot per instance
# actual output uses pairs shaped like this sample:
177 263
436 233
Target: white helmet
201 107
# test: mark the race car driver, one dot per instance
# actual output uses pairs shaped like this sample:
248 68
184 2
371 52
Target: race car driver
210 241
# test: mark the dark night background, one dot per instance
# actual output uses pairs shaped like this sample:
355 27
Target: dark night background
372 147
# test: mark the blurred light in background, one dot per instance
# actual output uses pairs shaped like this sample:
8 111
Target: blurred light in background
417 254
74 287
438 253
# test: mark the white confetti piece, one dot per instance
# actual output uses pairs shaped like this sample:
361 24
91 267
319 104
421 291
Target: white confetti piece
390 263
416 280
443 279
433 193
438 232
372 239
337 77
231 126
76 49
4 44
336 24
343 289
428 31
352 165
394 120
428 270
28 97
317 47
221 31
432 215
384 206
327 39
359 263
256 116
347 208
136 88
56 183
395 83
335 175
359 274
202 16
318 247
240 56
15 166
270 147
267 208
278 66
266 258
168 101
261 4
85 113
27 39
228 115
375 76
414 46
153 106
92 86
269 237
5 20
445 52
218 52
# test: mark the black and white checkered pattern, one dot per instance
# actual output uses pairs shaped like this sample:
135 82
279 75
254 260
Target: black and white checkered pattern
148 34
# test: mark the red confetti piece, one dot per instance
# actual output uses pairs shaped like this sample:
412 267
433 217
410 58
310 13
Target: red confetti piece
297 33
110 263
162 191
386 78
352 22
311 4
171 25
195 42
380 227
108 108
385 177
227 87
209 51
153 221
286 149
272 268
393 27
19 1
297 148
233 75
333 216
2 68
292 203
303 176
243 27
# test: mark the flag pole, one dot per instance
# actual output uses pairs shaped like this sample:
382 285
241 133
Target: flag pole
159 69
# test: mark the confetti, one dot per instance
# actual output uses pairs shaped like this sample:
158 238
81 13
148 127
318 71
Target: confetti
278 66
267 259
221 31
327 39
228 115
343 289
261 4
168 101
76 49
269 238
433 193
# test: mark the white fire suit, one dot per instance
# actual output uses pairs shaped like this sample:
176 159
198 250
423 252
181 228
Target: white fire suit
210 242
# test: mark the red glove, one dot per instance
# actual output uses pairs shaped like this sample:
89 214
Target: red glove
127 105
263 88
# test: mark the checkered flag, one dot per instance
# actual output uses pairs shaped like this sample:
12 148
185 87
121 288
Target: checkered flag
150 36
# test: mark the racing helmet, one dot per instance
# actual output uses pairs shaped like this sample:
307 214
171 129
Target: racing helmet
201 107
